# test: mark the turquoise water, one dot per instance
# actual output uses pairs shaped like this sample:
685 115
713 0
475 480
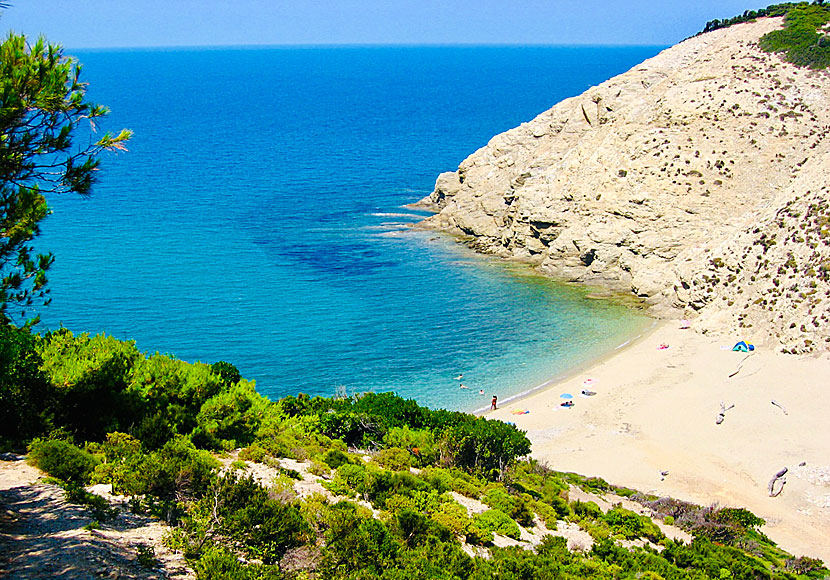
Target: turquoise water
259 218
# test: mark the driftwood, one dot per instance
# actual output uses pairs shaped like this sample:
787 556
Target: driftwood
740 364
777 404
722 414
776 484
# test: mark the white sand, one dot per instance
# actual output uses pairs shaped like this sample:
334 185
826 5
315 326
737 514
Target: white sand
655 411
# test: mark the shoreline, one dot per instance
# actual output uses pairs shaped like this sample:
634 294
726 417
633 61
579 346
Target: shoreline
655 411
643 334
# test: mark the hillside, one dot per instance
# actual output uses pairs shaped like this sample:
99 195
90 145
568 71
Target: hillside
174 469
697 181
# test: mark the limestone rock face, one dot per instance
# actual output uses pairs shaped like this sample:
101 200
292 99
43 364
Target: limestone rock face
669 181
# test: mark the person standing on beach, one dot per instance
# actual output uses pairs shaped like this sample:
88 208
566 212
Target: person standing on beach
493 403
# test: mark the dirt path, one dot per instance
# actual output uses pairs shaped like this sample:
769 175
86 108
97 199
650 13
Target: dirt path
44 537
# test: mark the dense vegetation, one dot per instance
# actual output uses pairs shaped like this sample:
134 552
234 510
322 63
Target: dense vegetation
95 410
803 40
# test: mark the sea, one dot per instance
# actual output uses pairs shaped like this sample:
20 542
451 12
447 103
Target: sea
260 217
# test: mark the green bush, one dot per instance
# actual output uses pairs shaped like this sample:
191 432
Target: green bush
255 453
174 389
232 417
99 506
586 509
420 442
800 39
454 517
478 535
124 466
334 458
265 527
24 392
441 480
62 460
177 470
630 525
349 479
227 373
498 522
394 458
515 506
357 545
417 529
89 377
218 563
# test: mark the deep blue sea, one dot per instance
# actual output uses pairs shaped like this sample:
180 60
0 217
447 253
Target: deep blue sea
259 218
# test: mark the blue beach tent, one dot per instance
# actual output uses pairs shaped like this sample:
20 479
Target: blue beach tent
743 346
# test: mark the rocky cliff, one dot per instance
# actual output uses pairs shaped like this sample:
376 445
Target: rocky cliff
698 180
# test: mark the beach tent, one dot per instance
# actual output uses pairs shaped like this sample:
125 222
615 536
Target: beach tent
743 346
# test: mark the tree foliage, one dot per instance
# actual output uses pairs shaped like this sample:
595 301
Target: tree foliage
42 111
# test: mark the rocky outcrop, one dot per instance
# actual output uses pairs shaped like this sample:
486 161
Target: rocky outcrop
697 180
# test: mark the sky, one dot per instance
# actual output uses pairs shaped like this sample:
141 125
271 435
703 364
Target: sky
171 23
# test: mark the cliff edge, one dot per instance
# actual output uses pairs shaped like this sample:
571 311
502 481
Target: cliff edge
698 180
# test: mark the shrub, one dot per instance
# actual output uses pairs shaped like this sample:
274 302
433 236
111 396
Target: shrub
173 389
478 535
125 465
265 527
24 393
177 470
255 453
497 522
334 458
89 377
356 543
486 447
454 517
227 373
420 442
515 506
439 479
630 525
586 509
348 479
417 529
218 563
394 458
62 460
466 485
232 417
800 39
99 506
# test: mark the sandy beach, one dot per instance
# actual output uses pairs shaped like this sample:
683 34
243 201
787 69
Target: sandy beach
655 411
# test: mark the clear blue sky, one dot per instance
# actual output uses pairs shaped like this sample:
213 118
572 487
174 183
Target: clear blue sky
133 23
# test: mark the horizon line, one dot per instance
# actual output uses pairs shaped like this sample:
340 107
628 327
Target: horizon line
361 45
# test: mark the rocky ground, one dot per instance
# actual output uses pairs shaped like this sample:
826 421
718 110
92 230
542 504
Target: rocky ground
42 536
697 180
